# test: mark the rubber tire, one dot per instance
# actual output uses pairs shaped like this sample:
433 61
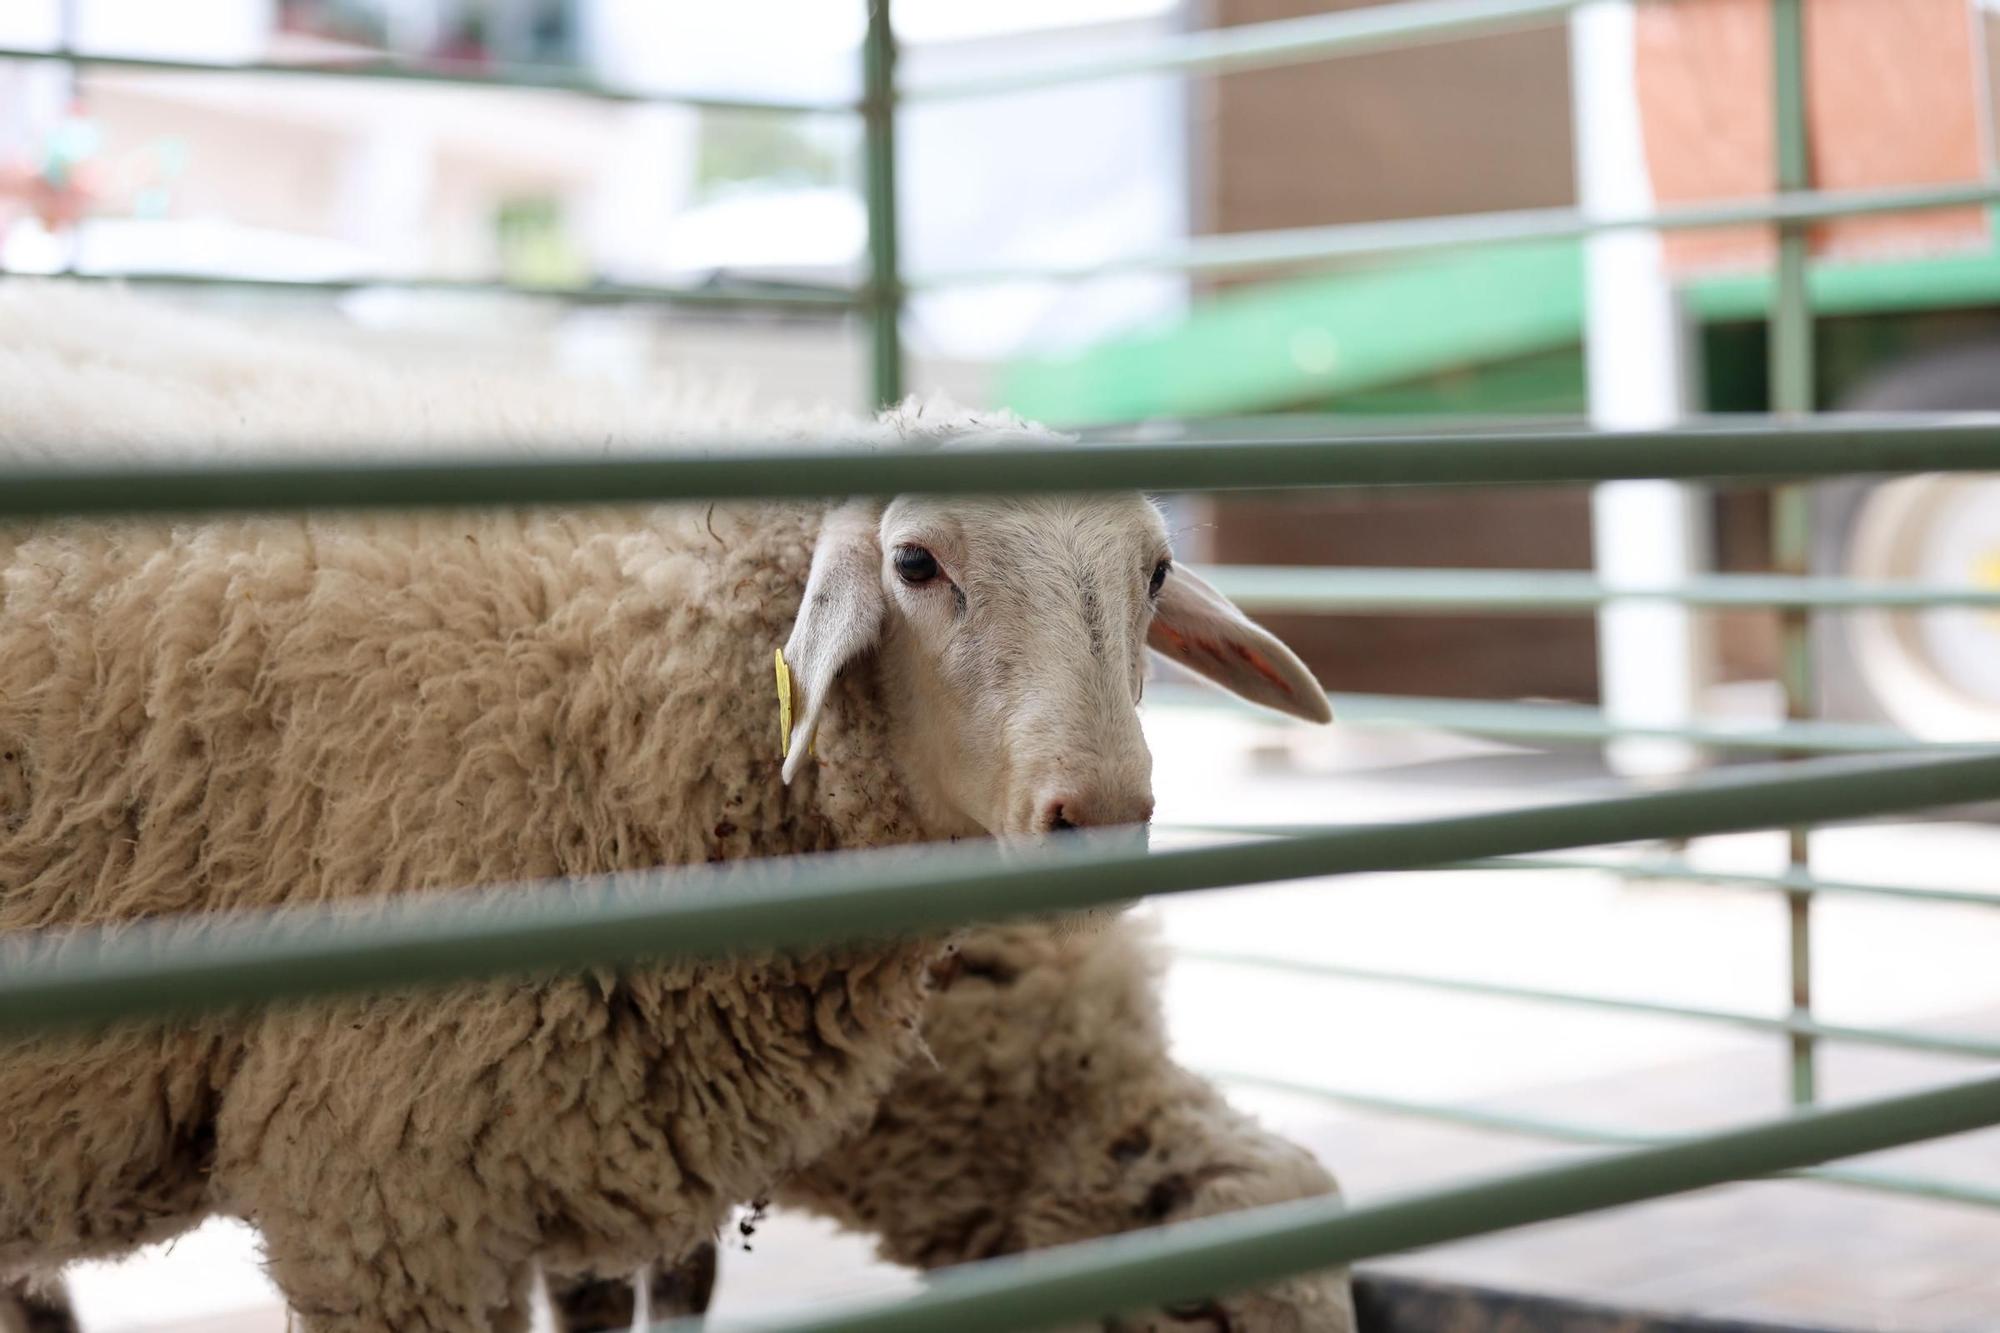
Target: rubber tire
1961 378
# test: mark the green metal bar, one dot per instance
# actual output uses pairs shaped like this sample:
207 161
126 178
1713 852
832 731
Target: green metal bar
1791 353
1211 1256
1933 1043
1922 282
1791 315
1421 591
513 78
745 471
1672 871
1570 723
1798 917
1269 45
148 970
885 283
1789 879
1508 1122
773 296
1334 426
1241 252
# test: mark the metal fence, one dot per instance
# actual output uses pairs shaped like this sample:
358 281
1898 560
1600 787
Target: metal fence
682 914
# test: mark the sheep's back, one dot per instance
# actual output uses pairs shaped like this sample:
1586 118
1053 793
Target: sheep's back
252 712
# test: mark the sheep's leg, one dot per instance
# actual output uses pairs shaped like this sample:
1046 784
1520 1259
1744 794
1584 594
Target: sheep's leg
587 1304
35 1310
684 1288
602 1305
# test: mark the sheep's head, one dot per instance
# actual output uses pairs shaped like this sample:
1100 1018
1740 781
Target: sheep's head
1188 1157
1012 635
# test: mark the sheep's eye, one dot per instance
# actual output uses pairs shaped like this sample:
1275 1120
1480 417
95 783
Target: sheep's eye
1159 578
915 565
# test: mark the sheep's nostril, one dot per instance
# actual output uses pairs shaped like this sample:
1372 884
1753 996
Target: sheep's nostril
1092 809
1061 813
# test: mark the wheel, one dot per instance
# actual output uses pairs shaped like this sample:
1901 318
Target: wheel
1933 673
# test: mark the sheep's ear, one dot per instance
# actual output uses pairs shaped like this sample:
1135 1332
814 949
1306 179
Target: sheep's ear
1202 630
839 618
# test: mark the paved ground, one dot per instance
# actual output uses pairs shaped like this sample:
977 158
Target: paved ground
1807 1253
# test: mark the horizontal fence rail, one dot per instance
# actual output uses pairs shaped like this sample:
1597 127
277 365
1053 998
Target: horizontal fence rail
1527 1125
781 298
1198 1259
1309 426
510 78
1295 247
1268 45
158 969
1787 881
1791 880
1760 452
1930 1043
1422 591
1575 724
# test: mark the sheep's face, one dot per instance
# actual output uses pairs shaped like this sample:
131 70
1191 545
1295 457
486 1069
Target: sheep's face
1011 636
1188 1159
1015 646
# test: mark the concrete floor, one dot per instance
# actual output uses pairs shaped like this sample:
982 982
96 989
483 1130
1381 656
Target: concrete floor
1796 1252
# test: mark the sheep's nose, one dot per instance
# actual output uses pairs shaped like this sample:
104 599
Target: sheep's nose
1077 809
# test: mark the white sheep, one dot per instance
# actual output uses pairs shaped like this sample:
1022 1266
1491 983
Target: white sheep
249 712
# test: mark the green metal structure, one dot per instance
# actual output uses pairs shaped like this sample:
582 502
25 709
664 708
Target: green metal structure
91 979
1791 376
1473 314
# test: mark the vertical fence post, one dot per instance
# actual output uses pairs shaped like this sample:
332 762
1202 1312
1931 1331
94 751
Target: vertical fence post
885 285
1791 373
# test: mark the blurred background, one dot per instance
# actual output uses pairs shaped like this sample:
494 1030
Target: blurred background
576 223
420 210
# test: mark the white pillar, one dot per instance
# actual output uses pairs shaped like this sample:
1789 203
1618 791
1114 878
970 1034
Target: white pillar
1653 658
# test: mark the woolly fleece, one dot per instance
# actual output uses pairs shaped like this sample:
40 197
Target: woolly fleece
245 712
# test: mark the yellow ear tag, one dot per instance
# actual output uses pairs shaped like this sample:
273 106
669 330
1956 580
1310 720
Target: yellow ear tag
784 707
785 698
